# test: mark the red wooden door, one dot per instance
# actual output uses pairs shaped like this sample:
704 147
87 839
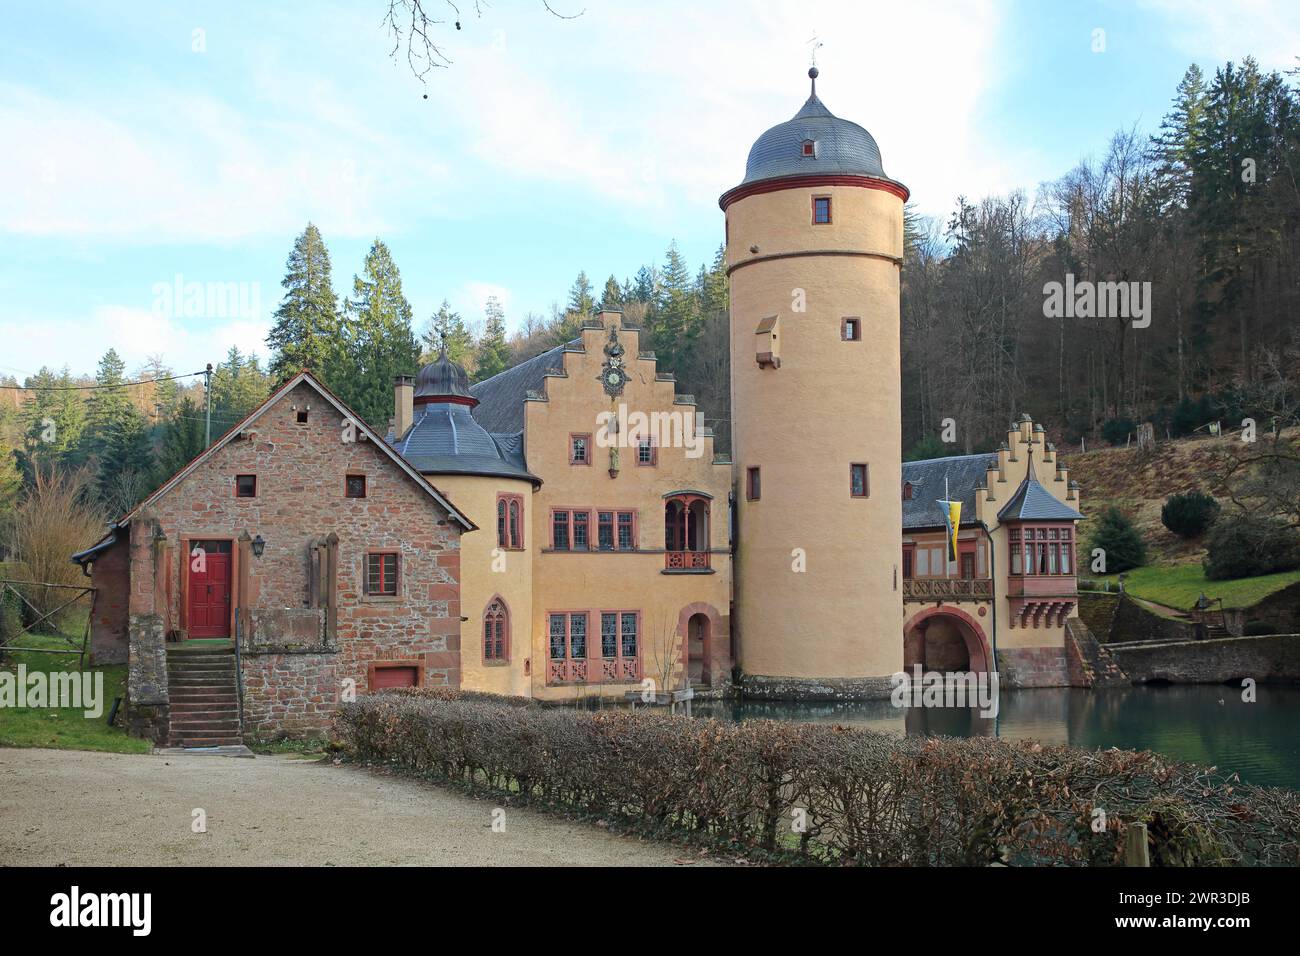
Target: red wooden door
209 589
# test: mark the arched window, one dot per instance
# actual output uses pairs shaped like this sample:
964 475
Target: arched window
510 522
502 540
686 533
496 632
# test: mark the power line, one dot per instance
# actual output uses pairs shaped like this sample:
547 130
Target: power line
80 388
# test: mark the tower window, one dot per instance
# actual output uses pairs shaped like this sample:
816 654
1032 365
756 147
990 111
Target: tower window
851 329
821 210
809 148
753 484
859 487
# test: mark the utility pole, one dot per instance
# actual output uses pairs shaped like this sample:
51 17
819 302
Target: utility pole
207 387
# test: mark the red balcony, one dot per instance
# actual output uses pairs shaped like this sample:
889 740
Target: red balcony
686 561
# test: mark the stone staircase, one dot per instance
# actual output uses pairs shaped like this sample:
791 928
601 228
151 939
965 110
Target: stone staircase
1090 662
204 695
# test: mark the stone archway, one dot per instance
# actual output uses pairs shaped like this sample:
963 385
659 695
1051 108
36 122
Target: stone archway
699 628
946 639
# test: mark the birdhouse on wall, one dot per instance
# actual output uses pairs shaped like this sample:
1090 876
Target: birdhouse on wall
767 343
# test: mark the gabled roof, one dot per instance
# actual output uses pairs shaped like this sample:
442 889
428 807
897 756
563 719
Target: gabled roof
1033 502
371 435
501 397
963 473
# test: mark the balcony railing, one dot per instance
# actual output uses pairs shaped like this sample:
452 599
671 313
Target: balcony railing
948 589
686 560
608 670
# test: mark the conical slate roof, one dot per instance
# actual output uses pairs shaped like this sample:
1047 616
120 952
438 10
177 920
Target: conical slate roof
1033 502
840 147
442 379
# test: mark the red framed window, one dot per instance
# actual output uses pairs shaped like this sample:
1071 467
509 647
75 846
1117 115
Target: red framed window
381 573
851 328
808 148
571 529
859 481
496 632
821 210
620 649
909 559
646 452
354 486
245 486
567 646
510 522
753 484
579 449
907 491
1042 551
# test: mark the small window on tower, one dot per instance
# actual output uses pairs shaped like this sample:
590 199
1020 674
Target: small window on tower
821 210
858 486
851 331
809 148
753 484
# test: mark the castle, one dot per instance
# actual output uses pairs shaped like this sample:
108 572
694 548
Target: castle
565 529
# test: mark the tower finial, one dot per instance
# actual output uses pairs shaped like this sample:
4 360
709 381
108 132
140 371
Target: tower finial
812 75
815 43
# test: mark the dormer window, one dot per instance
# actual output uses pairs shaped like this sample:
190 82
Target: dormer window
907 491
809 148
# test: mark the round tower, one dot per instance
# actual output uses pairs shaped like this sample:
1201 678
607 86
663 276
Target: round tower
814 251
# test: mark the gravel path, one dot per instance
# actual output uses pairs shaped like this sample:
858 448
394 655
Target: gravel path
95 809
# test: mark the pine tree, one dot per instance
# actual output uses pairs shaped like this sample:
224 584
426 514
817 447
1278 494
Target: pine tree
493 350
182 437
377 341
612 297
447 327
239 385
581 302
306 323
55 418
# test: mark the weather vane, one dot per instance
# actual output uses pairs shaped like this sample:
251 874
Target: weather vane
816 44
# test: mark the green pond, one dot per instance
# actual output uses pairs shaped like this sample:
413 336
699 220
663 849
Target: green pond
1205 724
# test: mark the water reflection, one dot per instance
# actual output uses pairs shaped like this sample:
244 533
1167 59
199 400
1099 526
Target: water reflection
1203 724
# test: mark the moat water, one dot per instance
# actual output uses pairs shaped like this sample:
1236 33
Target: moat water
1205 724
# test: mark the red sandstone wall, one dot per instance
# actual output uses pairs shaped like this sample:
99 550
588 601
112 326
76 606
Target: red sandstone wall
300 496
109 618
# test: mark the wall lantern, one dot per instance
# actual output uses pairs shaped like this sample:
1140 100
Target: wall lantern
259 545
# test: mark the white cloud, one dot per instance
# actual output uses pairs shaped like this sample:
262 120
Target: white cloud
1214 32
186 345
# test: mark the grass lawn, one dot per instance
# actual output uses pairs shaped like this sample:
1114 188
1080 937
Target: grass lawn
1179 585
63 728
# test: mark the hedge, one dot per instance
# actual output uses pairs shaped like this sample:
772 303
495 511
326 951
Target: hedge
820 793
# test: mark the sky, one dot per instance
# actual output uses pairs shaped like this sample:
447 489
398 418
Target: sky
149 147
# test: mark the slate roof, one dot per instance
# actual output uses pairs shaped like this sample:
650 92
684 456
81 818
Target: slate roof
842 147
445 439
963 472
501 397
1033 502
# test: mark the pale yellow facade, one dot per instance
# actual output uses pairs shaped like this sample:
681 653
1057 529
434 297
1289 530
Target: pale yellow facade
818 589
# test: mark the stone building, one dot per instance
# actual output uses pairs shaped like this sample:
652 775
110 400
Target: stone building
605 544
606 559
304 535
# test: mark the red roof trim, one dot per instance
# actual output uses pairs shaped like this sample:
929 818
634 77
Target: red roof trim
803 182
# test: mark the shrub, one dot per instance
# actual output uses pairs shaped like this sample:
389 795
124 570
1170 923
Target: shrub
1116 430
1117 536
1259 629
863 797
1189 515
1246 545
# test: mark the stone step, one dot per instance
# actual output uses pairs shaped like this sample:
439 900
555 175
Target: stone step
187 696
204 709
225 741
222 725
192 679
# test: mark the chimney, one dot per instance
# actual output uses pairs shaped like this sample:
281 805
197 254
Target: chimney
403 404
